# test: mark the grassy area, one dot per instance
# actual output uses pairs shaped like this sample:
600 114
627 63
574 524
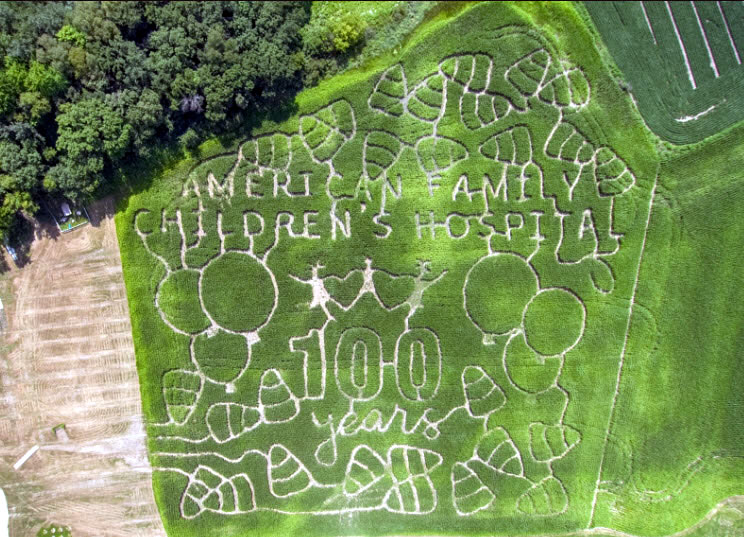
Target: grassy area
375 14
682 62
344 35
54 530
683 453
412 297
72 222
387 24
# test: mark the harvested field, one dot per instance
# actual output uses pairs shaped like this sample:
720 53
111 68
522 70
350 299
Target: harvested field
70 360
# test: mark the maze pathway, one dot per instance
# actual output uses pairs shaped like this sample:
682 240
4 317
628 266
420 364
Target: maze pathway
411 300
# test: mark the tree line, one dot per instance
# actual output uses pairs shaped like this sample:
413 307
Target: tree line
88 86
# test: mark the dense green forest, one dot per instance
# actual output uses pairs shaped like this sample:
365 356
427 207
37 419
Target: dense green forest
89 87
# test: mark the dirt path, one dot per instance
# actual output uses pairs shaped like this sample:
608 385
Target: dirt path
68 357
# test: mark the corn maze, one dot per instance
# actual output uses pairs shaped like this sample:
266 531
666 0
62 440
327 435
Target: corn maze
412 299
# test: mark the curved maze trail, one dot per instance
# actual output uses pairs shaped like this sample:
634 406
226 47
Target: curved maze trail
433 259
